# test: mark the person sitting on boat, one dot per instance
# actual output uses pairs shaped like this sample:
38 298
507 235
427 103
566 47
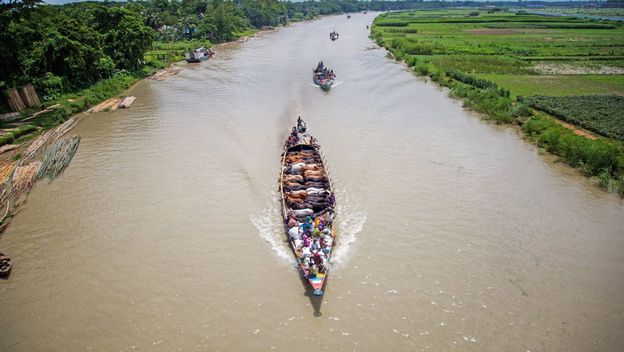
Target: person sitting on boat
331 200
305 251
313 271
295 233
292 222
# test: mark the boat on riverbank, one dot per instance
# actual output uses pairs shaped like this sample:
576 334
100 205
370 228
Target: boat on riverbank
5 265
323 76
307 206
199 55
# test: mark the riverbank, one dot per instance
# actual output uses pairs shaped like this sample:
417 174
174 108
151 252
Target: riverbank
435 206
60 116
33 122
464 49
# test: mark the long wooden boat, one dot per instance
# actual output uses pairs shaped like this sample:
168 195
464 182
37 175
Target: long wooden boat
307 206
5 265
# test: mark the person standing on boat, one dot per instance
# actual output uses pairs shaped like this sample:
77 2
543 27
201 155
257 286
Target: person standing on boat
301 127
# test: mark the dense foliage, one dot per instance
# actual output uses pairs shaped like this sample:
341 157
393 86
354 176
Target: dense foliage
601 114
62 47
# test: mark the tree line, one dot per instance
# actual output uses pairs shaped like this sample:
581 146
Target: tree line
61 48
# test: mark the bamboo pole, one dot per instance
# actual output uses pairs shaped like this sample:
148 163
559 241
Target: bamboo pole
14 99
29 96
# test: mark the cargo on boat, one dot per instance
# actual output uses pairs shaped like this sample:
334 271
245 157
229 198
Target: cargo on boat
323 76
307 205
198 55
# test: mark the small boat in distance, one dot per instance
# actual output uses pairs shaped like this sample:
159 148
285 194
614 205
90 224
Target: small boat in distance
323 76
348 16
333 35
307 206
5 265
199 55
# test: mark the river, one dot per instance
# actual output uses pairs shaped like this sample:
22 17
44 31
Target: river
454 234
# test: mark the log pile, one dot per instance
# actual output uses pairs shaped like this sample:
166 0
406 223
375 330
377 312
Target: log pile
165 73
14 99
24 178
7 147
38 143
127 102
108 105
29 96
64 128
57 157
6 170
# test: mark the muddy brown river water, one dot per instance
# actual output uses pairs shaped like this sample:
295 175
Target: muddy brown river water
164 233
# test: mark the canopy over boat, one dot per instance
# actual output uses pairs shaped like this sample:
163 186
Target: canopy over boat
308 206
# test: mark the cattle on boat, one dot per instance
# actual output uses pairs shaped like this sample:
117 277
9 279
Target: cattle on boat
307 206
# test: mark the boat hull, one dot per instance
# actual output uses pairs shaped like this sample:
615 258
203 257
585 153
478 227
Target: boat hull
317 281
324 84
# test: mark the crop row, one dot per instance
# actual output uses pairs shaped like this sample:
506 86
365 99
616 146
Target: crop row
599 113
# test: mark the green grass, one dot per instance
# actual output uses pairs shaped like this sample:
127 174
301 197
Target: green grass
591 156
559 85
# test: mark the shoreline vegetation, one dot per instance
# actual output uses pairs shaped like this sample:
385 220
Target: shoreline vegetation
78 55
464 49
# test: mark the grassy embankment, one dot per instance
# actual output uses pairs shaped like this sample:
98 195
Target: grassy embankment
496 61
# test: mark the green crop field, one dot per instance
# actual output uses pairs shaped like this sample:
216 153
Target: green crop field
571 68
522 53
596 113
559 85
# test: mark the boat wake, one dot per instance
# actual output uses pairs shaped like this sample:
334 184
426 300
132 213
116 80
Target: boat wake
350 221
270 228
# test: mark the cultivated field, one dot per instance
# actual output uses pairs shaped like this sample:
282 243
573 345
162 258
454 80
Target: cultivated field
500 62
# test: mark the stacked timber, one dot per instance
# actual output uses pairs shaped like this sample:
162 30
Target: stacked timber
57 157
127 102
108 105
14 99
8 147
6 170
24 178
163 74
29 96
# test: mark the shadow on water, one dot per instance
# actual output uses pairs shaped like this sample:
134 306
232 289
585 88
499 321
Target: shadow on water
315 301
